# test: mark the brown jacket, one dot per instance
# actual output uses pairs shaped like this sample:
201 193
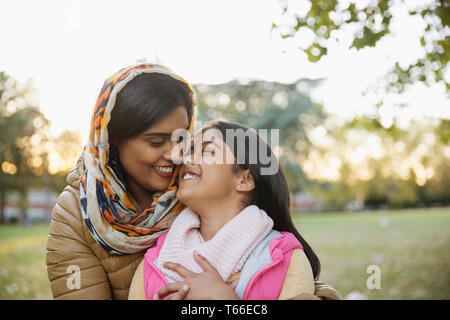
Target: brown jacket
103 275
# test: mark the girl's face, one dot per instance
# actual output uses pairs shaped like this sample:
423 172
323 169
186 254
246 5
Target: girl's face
146 158
206 175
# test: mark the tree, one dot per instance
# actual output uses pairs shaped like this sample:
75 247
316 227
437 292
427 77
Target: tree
23 128
380 166
370 21
65 151
267 105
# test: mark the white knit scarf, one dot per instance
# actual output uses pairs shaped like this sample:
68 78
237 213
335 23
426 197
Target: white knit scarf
226 251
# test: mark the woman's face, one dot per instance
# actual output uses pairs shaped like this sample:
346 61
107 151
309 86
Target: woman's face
205 175
146 157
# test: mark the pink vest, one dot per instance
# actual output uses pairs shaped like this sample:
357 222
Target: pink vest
261 277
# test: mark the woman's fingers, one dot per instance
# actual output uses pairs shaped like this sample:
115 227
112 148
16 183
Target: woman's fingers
178 268
169 289
305 296
206 266
179 295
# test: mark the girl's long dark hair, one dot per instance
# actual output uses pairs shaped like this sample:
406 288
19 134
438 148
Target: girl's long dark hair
271 192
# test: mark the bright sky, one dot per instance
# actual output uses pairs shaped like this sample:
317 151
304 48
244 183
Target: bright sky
70 47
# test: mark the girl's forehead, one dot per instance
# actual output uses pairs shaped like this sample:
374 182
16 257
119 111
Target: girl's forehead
211 134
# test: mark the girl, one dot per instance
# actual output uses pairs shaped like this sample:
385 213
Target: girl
237 227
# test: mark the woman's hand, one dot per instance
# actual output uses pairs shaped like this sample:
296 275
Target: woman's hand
305 296
207 285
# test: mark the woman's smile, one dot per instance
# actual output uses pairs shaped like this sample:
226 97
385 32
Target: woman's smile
164 171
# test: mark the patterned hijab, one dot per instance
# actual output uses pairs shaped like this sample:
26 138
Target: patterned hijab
109 212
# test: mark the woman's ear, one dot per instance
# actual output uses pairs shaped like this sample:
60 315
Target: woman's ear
245 182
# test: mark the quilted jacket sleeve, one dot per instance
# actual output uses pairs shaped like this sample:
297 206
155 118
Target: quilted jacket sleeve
69 256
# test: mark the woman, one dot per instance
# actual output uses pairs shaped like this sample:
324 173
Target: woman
121 193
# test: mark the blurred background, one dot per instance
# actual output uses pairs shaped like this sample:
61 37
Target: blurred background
358 89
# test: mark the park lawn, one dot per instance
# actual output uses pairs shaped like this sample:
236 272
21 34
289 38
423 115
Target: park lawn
23 273
410 246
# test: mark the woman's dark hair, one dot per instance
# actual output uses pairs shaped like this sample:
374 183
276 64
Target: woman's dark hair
145 100
277 204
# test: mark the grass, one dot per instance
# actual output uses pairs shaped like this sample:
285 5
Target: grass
411 247
23 273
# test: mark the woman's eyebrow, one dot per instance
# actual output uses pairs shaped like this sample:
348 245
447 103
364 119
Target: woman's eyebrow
152 134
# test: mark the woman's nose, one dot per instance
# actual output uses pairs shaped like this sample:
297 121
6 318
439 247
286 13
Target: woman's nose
170 151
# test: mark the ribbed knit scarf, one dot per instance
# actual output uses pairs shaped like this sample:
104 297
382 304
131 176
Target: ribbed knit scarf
110 213
226 251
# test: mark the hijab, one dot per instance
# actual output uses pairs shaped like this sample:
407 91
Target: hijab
111 215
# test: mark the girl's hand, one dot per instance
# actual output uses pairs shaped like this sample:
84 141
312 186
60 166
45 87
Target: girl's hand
207 285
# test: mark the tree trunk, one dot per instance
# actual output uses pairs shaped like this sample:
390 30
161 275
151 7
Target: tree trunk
23 206
2 206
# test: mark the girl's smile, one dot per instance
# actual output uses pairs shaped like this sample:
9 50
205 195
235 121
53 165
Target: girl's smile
189 176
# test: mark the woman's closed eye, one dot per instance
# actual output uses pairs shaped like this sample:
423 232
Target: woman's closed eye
156 142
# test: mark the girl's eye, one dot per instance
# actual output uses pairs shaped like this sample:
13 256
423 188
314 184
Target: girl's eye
208 150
